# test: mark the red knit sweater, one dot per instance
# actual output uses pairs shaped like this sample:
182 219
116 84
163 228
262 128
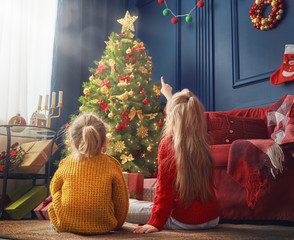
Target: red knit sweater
166 202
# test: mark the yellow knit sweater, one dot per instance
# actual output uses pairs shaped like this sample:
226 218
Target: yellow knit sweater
89 196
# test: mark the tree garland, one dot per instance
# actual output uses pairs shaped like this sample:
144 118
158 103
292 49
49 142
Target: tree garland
269 22
175 19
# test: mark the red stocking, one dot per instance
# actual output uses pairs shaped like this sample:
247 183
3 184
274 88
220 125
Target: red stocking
286 72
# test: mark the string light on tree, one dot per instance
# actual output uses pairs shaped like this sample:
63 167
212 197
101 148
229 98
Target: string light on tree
167 11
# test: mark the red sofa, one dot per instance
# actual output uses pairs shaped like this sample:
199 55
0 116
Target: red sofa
275 201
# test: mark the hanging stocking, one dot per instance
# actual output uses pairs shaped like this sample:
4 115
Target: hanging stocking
286 72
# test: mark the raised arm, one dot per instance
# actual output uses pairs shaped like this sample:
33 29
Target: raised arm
166 90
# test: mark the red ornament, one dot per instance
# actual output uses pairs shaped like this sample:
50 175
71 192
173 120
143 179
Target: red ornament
145 101
160 1
200 4
118 127
174 20
160 123
142 91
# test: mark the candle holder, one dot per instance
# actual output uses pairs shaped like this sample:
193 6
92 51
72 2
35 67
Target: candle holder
53 114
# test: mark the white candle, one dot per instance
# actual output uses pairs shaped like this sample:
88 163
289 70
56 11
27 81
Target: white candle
53 100
40 102
46 102
60 98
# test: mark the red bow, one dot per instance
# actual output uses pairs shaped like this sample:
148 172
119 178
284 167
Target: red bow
121 35
105 83
103 105
126 78
133 57
47 201
100 68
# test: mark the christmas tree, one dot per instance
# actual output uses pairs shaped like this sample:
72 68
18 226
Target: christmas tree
121 93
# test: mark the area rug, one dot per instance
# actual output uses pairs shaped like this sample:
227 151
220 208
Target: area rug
41 229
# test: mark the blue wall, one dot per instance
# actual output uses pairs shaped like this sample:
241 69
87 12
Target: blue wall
220 56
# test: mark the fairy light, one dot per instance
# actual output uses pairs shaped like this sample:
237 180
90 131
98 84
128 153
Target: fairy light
175 19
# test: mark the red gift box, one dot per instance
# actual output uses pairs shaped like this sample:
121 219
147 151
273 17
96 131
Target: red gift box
135 183
42 210
149 189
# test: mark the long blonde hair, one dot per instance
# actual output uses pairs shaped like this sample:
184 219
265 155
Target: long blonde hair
88 135
186 123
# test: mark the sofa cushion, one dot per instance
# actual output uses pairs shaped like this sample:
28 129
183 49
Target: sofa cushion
224 128
220 154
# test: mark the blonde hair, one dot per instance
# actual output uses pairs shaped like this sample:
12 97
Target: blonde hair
186 124
88 135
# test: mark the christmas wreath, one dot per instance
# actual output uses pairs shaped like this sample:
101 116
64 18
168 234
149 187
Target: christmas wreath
17 154
266 23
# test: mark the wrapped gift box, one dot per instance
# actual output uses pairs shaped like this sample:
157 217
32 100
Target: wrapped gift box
135 184
149 189
42 210
26 203
37 154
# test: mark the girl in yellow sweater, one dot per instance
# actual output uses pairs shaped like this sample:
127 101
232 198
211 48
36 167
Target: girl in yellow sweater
88 189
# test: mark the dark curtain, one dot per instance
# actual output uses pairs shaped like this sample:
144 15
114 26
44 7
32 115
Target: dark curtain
82 27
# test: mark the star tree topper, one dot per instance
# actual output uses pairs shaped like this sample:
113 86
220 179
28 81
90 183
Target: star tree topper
127 22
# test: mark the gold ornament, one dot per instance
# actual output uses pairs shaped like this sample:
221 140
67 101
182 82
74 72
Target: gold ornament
132 76
142 131
123 96
143 70
127 22
111 63
110 115
109 136
119 146
157 89
91 78
133 113
94 101
81 109
129 68
149 148
257 2
139 84
87 91
104 90
97 81
128 51
109 45
122 84
151 115
274 3
131 93
126 158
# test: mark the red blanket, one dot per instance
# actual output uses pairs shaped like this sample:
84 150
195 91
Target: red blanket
255 163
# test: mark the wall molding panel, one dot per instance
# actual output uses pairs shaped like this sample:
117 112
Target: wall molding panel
237 81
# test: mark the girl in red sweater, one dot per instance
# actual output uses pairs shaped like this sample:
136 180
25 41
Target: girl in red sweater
185 198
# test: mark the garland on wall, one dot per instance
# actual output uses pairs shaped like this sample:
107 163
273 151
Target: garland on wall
266 23
167 11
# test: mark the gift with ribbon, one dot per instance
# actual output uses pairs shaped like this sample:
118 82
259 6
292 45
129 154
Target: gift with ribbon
135 184
149 189
42 210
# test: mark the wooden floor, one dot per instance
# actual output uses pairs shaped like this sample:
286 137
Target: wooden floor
41 229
